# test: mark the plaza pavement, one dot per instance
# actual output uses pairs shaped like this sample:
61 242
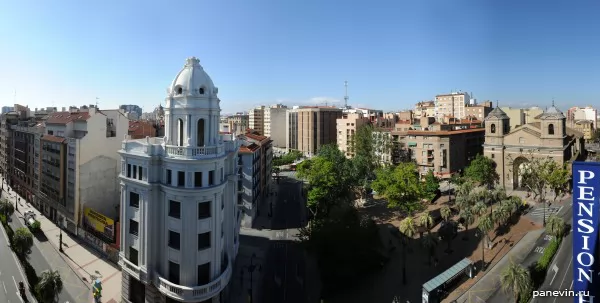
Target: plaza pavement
78 260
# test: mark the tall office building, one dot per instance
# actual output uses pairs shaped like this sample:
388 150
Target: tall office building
308 128
256 117
179 200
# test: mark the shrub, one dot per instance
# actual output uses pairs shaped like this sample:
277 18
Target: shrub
35 227
538 270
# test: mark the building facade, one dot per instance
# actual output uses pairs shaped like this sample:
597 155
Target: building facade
309 128
346 127
511 149
274 124
588 113
479 111
238 123
249 183
256 119
179 200
452 105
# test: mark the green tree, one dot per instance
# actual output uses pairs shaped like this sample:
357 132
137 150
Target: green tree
22 242
483 171
432 185
485 225
515 280
500 215
555 226
6 208
468 218
429 243
425 221
465 197
407 229
445 212
49 286
479 208
362 145
400 186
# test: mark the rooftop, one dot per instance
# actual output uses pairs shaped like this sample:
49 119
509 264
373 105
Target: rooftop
51 138
66 117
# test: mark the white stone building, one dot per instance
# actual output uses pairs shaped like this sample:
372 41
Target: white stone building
274 124
179 212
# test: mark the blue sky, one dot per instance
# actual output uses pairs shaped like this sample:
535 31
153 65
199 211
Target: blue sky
392 53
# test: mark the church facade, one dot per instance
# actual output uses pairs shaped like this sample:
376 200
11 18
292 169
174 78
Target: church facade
511 149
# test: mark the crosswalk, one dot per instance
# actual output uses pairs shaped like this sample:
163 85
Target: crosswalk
538 213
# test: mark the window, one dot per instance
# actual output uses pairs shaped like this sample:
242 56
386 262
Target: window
137 291
198 179
204 274
550 129
180 178
180 134
204 241
134 199
204 210
493 156
211 178
50 132
128 170
174 240
169 177
133 255
201 91
134 171
179 90
139 173
493 128
174 209
133 227
173 272
200 132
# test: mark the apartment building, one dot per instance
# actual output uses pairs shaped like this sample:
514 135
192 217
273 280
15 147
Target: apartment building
444 148
274 124
238 123
265 145
588 113
6 122
478 111
179 201
256 119
383 146
586 127
79 165
310 127
424 109
25 158
248 182
7 109
346 127
452 104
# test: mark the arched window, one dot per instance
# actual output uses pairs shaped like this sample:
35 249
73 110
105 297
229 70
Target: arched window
201 90
200 130
550 129
180 134
493 128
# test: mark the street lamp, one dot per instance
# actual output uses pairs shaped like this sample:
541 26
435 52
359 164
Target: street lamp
60 242
251 269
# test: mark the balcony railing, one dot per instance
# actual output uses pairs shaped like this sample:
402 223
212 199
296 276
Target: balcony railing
192 151
197 293
131 268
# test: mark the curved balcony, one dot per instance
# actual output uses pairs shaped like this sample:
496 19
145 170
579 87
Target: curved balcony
191 152
196 293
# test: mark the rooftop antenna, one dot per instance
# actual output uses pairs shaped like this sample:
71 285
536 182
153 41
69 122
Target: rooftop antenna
346 94
97 102
552 101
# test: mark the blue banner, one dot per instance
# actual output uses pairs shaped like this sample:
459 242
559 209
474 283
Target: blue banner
586 213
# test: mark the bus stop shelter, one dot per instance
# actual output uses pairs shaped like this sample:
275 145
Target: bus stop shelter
434 289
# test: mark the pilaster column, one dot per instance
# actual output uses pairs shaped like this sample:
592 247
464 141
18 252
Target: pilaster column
124 220
145 230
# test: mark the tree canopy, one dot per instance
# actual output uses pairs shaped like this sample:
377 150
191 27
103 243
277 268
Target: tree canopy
432 185
22 242
400 186
543 176
288 158
483 171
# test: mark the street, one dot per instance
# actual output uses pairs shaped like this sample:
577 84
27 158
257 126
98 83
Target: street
285 264
44 257
10 275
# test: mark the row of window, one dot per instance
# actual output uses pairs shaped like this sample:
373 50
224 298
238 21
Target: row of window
175 237
175 207
198 178
134 171
203 270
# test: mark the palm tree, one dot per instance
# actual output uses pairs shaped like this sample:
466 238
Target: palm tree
500 215
445 212
429 242
22 242
515 279
407 228
468 218
479 208
49 286
485 224
555 226
464 195
425 221
448 233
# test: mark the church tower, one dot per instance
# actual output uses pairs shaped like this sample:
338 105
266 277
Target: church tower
497 125
179 236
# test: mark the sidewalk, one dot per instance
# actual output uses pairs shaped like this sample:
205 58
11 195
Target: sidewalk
82 260
489 283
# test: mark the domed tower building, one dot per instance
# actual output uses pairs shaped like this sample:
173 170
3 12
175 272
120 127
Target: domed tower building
179 216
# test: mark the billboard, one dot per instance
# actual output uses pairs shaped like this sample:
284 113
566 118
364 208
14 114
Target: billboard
99 224
586 213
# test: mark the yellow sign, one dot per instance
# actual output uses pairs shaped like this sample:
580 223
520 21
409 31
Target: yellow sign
98 221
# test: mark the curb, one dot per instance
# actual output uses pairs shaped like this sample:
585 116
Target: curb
21 270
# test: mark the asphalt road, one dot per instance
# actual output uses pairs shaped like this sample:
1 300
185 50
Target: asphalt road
285 263
10 275
561 258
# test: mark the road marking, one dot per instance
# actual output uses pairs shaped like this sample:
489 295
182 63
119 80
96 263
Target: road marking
539 250
555 269
571 287
3 285
564 276
548 238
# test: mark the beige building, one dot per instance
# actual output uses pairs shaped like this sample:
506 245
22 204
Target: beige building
511 148
274 124
520 116
424 109
346 127
452 104
308 128
479 111
256 119
586 127
443 148
238 123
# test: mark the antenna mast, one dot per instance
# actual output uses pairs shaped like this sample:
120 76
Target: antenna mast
97 102
346 94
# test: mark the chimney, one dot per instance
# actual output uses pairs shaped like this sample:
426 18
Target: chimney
64 109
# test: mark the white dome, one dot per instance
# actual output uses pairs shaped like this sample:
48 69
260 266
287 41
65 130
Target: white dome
192 80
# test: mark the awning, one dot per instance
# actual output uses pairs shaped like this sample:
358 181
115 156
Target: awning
448 275
412 144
